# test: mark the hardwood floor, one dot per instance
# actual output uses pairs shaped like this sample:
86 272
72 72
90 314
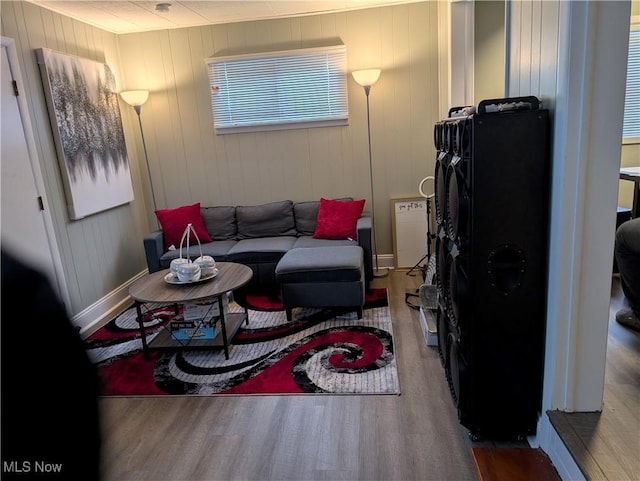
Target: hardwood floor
606 445
514 464
413 436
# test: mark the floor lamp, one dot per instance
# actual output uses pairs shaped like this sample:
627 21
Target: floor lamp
136 98
366 78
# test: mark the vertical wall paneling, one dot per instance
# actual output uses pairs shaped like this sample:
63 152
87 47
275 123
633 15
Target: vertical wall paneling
97 258
192 80
583 85
202 42
147 67
190 163
525 42
297 164
489 50
392 60
175 65
251 170
422 90
548 48
397 82
536 18
462 61
444 57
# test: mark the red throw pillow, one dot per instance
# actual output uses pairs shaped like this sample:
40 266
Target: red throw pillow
337 219
174 222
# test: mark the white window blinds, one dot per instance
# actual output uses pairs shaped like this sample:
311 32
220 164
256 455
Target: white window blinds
631 128
279 90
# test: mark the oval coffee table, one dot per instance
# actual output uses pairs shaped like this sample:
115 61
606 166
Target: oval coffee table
153 289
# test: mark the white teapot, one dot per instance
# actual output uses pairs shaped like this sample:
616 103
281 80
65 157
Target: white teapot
207 265
188 272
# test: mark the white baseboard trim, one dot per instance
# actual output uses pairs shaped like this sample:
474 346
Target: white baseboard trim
102 311
385 261
549 441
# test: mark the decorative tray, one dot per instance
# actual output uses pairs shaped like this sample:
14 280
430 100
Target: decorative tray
171 278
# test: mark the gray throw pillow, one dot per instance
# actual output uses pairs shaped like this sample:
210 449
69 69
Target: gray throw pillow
306 214
266 220
220 222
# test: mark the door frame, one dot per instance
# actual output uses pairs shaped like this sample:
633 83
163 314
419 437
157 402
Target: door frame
12 56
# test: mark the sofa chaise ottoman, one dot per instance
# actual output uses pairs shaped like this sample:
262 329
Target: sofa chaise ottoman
322 277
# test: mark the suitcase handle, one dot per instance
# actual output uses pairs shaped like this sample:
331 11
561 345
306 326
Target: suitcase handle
513 103
461 111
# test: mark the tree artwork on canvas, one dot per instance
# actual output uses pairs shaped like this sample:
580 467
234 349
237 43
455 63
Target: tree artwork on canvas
87 128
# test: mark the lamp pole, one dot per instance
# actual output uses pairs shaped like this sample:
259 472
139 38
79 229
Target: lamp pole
366 78
136 98
138 108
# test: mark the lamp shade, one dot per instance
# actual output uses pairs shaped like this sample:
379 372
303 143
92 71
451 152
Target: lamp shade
366 78
135 98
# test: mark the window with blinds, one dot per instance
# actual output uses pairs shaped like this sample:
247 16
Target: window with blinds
279 90
631 127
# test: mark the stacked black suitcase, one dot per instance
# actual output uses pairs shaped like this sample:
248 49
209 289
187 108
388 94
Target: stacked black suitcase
492 212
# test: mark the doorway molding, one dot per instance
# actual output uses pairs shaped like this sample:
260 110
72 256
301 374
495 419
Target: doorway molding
12 56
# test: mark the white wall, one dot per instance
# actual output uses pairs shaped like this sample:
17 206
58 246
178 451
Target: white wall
489 65
99 253
573 56
102 253
190 163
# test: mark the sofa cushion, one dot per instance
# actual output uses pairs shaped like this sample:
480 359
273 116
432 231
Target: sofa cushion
266 220
220 222
265 249
337 219
308 241
321 264
217 249
174 222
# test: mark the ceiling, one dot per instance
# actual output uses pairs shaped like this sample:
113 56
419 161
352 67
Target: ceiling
125 16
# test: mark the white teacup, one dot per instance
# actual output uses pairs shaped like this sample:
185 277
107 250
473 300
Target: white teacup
207 265
189 272
175 263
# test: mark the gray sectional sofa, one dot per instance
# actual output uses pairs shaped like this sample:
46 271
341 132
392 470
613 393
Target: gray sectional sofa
259 236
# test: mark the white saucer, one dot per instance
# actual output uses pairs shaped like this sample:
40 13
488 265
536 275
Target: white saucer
170 278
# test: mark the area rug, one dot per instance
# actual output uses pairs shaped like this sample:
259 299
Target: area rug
322 351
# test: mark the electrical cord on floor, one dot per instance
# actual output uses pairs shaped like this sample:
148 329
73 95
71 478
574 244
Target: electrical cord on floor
408 299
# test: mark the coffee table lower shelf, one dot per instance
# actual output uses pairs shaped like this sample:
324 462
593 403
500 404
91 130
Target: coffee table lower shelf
164 341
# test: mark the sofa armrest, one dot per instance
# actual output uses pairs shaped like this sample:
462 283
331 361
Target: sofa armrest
154 248
363 228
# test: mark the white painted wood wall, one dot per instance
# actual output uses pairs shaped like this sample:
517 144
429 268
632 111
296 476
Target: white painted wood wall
573 56
99 254
189 163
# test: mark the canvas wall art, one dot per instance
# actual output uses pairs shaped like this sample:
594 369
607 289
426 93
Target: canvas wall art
87 128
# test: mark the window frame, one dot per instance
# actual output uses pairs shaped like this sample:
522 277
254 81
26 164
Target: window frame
271 72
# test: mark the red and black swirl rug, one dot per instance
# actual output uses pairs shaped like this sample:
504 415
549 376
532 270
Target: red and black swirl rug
321 351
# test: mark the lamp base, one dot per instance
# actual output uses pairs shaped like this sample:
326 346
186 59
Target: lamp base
377 273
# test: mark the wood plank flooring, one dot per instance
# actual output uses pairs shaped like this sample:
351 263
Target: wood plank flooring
413 436
606 445
514 464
